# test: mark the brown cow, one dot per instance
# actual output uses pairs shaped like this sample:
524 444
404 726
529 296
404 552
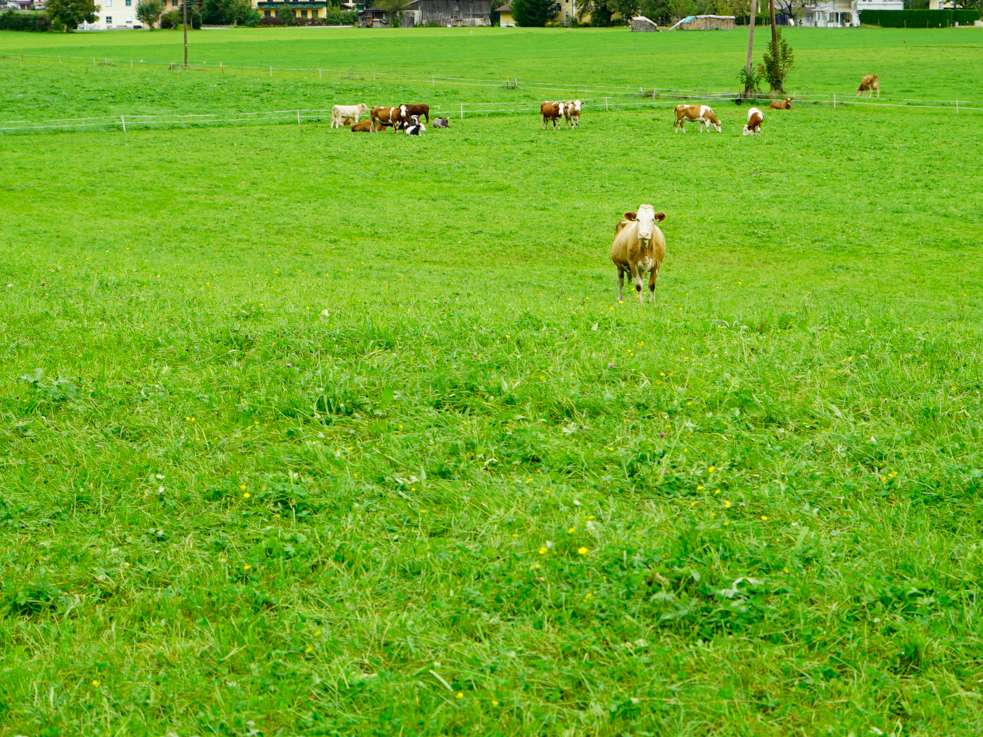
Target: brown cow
785 104
870 84
366 126
387 117
421 109
698 114
571 111
552 111
638 247
754 120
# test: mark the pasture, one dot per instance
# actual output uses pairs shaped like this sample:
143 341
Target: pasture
309 433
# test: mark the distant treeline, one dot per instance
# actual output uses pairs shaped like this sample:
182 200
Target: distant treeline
29 20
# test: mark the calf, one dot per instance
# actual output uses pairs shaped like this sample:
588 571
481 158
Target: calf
638 248
571 111
366 126
441 123
414 127
785 104
552 112
870 84
698 114
754 120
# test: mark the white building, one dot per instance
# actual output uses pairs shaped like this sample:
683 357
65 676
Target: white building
843 13
114 14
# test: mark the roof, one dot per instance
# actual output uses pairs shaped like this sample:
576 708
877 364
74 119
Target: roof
507 8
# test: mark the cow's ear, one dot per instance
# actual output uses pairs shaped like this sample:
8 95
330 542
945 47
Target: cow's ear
660 216
631 215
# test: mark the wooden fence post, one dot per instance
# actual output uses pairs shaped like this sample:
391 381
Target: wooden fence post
122 120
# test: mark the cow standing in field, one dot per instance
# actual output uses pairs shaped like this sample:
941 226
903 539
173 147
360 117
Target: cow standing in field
754 120
698 114
638 248
571 111
552 112
870 84
387 117
785 104
421 109
347 114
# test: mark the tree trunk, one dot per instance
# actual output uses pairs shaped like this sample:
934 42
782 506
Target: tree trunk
750 49
774 41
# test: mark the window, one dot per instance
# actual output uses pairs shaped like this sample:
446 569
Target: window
129 3
109 20
107 3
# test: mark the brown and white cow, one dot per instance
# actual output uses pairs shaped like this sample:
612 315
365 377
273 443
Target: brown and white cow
366 126
407 110
698 114
638 248
552 112
387 117
754 120
785 104
870 84
571 111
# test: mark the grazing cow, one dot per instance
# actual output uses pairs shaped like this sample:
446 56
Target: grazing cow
414 127
366 126
441 123
552 112
638 247
571 111
698 114
387 117
422 110
754 120
870 84
347 114
785 104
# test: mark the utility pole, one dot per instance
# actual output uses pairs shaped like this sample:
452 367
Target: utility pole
774 28
750 49
185 34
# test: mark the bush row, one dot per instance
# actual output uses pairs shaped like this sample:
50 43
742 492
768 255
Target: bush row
918 18
335 17
14 20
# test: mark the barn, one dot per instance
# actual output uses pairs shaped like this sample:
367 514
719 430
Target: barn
447 13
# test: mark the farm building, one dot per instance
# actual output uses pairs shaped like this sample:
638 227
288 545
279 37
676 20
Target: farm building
505 18
447 13
705 23
302 9
843 13
565 16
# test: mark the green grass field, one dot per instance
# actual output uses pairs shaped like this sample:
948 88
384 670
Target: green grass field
307 433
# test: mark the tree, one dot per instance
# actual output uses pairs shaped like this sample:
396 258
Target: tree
70 13
148 11
748 75
392 8
777 62
534 13
285 16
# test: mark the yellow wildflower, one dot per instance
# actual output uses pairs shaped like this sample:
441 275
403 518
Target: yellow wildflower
95 683
459 695
764 518
727 504
543 550
246 495
582 550
712 469
246 566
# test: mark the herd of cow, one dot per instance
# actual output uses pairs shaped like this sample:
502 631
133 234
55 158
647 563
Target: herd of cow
404 118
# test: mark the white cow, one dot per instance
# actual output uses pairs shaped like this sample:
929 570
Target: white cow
347 114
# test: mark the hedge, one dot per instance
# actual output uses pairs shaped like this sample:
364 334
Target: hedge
13 20
335 18
918 18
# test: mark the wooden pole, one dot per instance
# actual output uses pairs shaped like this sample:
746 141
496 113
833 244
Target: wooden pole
750 48
185 9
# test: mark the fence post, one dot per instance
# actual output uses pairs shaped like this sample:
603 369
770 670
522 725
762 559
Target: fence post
221 65
605 104
298 117
320 74
122 120
957 107
462 111
834 101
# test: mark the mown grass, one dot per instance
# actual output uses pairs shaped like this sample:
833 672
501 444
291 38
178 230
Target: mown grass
313 433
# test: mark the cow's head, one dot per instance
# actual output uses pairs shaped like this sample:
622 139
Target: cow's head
788 102
647 217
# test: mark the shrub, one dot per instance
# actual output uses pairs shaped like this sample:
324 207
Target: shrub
533 13
918 18
14 20
174 18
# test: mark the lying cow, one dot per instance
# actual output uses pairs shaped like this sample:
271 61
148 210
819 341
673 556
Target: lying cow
441 123
754 120
552 112
366 126
415 127
406 110
638 248
785 104
387 117
698 114
347 114
870 84
571 111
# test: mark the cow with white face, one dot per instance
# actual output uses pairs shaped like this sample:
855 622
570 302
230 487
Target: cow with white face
639 248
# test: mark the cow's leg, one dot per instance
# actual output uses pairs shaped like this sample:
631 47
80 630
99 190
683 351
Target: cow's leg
653 275
636 276
621 284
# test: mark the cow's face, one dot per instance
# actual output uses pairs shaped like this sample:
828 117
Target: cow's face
646 222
